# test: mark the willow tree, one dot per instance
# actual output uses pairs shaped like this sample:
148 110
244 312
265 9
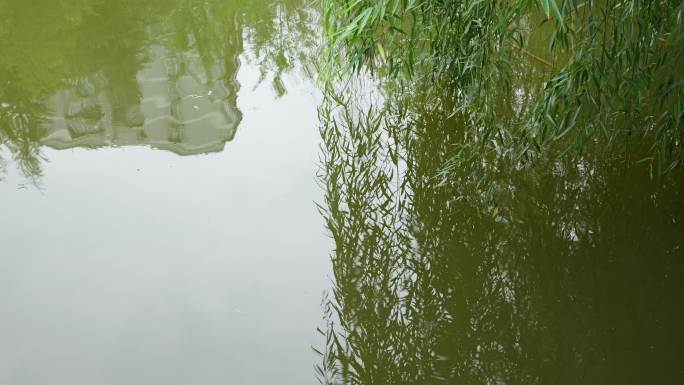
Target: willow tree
612 70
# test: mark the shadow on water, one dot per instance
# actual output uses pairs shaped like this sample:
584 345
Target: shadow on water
94 73
567 271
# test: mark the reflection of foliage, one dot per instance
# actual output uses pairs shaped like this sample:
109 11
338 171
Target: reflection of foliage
37 62
31 63
281 34
34 58
91 45
565 273
19 134
613 66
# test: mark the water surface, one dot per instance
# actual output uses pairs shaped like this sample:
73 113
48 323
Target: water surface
181 204
157 223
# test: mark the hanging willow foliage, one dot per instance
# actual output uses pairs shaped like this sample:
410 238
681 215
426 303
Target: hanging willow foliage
609 71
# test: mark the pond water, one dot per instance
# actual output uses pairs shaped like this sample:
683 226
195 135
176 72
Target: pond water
157 223
180 204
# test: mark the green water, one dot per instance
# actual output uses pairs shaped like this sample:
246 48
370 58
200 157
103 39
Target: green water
180 205
567 272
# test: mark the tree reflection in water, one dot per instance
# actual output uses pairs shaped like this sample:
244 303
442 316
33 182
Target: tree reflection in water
89 73
568 271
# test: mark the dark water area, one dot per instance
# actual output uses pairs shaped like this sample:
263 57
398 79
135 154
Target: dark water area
568 272
181 203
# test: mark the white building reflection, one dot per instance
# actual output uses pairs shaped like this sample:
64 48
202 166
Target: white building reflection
183 104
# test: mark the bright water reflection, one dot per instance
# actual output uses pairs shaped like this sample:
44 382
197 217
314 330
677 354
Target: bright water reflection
133 265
